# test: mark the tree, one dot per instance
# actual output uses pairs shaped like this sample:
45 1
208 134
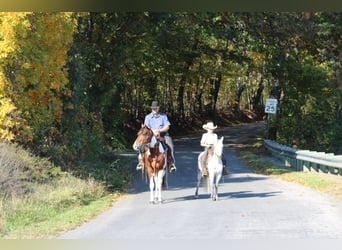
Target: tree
36 79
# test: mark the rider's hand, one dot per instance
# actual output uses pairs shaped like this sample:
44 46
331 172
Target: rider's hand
156 132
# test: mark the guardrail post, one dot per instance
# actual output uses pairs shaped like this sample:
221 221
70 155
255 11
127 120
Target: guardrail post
306 166
287 164
333 171
299 166
314 167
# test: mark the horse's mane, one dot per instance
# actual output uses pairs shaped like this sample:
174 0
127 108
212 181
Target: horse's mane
144 135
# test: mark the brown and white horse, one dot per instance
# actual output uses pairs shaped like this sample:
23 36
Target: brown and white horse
155 163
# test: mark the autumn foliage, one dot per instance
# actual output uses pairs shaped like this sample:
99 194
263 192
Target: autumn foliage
34 80
74 86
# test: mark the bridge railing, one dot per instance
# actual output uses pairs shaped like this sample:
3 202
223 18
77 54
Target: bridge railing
305 160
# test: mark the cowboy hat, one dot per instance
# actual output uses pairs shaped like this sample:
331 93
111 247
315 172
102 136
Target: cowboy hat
154 105
209 125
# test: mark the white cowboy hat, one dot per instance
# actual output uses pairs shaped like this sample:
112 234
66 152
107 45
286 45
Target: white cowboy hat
209 125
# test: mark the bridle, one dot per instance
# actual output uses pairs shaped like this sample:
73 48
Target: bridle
145 136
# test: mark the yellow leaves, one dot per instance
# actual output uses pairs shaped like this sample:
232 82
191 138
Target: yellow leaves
9 20
6 108
55 86
26 66
256 57
33 48
6 124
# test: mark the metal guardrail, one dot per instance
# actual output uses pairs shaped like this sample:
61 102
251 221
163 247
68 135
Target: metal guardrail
305 160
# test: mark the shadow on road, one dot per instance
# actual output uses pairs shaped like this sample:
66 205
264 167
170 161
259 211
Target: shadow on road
224 196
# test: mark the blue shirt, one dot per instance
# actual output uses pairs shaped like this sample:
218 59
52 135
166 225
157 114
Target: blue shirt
157 122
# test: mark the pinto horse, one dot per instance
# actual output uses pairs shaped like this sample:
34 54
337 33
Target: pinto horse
215 167
155 163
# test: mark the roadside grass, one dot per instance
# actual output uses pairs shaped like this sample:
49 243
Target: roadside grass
43 223
48 209
257 158
54 209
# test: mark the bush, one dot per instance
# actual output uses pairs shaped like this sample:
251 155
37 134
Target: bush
19 170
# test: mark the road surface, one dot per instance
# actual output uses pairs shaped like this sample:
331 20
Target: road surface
250 206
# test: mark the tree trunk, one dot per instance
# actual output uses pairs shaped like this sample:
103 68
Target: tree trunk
216 84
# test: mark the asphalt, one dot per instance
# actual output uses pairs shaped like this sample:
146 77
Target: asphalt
250 206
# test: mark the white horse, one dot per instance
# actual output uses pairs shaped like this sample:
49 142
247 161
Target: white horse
215 167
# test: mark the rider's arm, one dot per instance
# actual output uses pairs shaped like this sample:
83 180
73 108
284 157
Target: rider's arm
204 141
208 140
165 125
157 132
164 129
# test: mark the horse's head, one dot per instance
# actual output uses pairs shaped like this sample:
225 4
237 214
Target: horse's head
144 137
218 147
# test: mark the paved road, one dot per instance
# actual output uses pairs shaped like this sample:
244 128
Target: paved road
250 206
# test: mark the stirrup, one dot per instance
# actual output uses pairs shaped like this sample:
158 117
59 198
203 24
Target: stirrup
140 166
172 168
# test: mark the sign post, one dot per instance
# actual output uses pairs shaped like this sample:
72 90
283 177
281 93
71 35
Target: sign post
270 108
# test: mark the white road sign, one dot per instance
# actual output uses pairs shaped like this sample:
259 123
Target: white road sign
271 106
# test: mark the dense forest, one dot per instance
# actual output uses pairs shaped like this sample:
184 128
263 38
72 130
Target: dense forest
76 85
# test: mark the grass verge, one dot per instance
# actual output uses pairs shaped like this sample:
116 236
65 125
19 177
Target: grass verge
256 157
62 221
36 209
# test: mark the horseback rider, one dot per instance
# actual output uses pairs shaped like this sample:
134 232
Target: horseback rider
159 123
208 140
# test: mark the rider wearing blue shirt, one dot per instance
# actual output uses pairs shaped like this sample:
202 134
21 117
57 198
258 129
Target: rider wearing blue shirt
159 123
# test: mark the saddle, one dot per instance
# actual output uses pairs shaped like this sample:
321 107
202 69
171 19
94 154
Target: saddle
160 138
169 159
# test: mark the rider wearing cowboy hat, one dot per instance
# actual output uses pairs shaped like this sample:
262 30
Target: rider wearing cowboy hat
207 141
159 123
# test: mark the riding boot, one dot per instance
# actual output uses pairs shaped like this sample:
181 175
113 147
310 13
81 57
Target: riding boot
172 168
141 164
170 161
224 170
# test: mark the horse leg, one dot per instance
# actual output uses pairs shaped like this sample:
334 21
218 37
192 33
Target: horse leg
218 177
157 188
160 177
214 188
212 184
152 187
199 173
199 177
215 193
